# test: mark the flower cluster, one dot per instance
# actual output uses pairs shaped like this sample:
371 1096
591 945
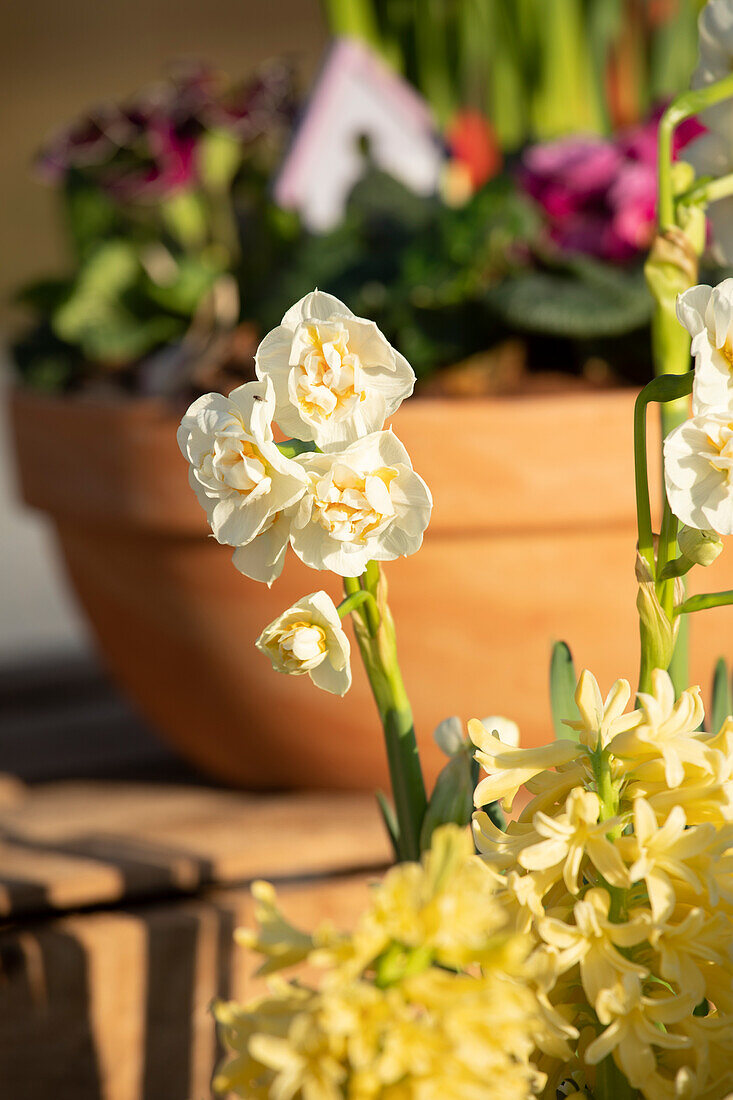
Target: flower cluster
431 997
619 869
341 492
698 455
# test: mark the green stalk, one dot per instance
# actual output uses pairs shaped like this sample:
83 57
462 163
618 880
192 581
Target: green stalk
611 1083
354 600
703 601
657 606
375 634
685 106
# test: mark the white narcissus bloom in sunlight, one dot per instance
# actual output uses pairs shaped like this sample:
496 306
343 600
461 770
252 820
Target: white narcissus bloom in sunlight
308 638
335 375
698 472
364 503
237 472
707 314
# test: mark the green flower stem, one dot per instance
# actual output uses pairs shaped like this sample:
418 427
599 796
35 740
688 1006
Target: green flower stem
611 1083
704 601
375 634
684 107
669 387
662 389
708 190
667 553
641 478
677 568
646 665
357 599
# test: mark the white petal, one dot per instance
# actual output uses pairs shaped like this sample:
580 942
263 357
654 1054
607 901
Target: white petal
691 308
256 403
315 306
263 558
328 678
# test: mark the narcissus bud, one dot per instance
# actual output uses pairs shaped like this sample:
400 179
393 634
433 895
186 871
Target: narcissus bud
700 547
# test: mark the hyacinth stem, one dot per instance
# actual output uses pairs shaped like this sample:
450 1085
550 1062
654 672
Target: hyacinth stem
611 1083
375 634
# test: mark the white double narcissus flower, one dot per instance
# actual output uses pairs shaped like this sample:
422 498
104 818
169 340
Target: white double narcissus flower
240 477
698 472
707 314
336 377
363 504
308 638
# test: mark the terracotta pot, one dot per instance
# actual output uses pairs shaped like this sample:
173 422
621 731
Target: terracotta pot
532 540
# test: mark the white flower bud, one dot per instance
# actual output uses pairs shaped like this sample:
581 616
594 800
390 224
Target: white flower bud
308 639
700 547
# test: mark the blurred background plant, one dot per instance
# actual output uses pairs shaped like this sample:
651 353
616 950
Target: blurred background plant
526 259
538 69
155 196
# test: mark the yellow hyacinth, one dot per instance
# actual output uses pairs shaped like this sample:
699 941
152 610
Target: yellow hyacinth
620 869
431 998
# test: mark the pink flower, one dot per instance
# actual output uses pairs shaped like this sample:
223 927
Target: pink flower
599 195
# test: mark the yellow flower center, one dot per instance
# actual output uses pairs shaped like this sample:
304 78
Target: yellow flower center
237 464
302 644
727 351
351 506
721 442
327 379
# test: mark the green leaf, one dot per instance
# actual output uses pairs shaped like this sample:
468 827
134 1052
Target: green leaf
43 295
194 277
583 300
452 797
91 214
562 691
722 696
218 156
186 217
96 316
390 822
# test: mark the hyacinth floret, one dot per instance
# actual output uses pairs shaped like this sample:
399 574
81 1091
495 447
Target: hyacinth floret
619 869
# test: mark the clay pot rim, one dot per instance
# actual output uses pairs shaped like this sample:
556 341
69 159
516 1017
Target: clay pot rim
495 465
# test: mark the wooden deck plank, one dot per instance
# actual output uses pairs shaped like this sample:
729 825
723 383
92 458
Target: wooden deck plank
74 844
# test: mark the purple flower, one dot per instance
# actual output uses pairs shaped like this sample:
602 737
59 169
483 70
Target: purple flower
145 150
599 195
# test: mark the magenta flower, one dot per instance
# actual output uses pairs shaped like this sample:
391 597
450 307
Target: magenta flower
599 195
